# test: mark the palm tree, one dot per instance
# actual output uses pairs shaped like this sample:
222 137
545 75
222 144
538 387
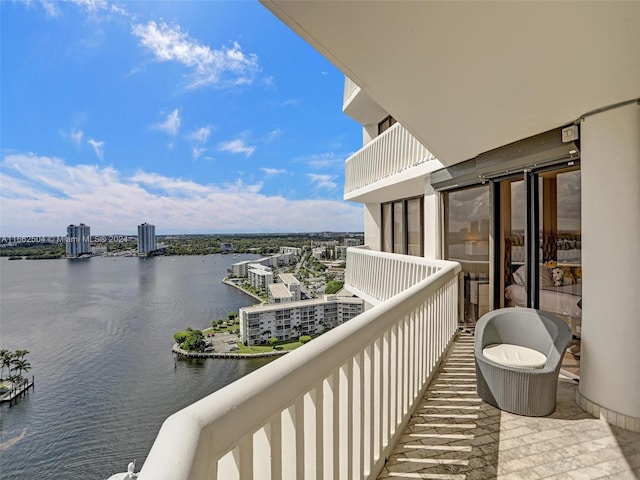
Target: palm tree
15 379
21 365
20 353
6 358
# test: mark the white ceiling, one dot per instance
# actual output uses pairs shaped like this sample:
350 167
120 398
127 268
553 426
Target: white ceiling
467 77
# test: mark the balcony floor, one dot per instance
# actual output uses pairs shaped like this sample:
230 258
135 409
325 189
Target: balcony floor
455 436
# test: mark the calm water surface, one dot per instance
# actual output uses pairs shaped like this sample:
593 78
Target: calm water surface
99 333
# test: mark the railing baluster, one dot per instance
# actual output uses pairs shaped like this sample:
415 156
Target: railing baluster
275 442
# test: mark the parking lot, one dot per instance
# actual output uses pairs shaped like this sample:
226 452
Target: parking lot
223 342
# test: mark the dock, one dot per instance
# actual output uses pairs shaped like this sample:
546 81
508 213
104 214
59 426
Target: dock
18 390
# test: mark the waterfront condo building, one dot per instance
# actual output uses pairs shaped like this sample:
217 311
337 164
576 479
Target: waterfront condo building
146 239
292 284
293 319
78 241
500 166
260 276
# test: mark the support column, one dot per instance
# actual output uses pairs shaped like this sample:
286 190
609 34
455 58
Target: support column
610 361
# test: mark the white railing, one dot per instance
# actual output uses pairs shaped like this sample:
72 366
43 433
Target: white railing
378 276
332 409
349 89
392 152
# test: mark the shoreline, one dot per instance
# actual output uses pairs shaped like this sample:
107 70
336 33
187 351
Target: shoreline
231 284
176 349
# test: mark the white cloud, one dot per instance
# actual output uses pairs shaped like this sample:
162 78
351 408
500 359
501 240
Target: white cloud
98 147
227 66
51 8
201 134
76 136
41 195
322 160
196 152
171 123
322 181
273 171
273 134
237 146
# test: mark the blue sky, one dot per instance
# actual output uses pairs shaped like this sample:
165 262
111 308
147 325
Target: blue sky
198 117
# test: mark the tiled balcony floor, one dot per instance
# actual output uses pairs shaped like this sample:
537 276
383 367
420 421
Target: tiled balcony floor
455 436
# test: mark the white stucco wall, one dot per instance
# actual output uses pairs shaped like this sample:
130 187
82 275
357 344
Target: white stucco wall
431 222
610 361
372 225
369 132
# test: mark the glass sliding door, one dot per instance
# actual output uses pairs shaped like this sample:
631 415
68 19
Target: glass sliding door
467 217
560 245
512 275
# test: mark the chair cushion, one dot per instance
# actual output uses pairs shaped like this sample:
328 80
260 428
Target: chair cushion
514 355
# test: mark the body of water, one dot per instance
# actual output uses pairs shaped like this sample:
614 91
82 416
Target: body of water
99 332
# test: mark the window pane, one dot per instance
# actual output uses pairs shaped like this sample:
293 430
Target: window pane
398 227
467 219
560 243
414 226
387 236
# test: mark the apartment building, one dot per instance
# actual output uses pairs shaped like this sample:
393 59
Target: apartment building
260 276
292 284
293 319
295 251
78 241
279 293
146 238
241 269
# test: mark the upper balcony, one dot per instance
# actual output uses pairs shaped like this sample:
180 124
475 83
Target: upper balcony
359 105
390 166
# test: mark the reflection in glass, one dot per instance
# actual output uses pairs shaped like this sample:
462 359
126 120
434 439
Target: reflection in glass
467 220
387 234
414 226
560 243
398 228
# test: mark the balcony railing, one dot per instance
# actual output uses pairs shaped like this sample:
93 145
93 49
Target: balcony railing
350 88
333 408
391 152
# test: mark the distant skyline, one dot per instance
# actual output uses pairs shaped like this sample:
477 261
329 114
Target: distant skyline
197 117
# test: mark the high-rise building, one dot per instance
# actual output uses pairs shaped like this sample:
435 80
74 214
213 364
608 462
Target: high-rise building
78 240
146 238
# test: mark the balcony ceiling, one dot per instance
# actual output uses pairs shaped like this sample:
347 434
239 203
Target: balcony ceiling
467 77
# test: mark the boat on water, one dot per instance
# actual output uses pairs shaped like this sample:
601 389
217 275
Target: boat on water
128 475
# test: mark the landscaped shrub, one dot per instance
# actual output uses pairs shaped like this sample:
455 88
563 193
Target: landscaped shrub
304 339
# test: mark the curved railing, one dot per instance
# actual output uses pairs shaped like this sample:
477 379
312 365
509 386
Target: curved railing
392 152
332 408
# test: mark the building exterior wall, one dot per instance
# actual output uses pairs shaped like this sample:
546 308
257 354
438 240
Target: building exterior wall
278 293
295 251
78 240
259 278
372 225
146 238
292 284
610 355
291 320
